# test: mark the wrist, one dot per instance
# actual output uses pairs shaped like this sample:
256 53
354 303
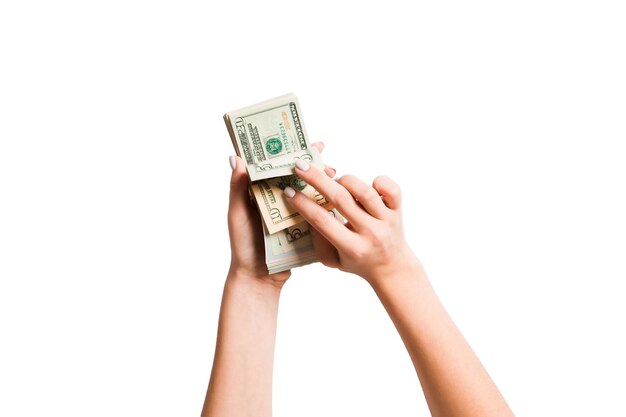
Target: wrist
404 266
402 263
258 282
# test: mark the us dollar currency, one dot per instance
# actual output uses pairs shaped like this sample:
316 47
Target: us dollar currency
291 247
270 136
276 212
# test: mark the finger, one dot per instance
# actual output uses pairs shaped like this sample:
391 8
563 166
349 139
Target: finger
319 146
324 250
337 195
386 187
336 233
239 197
331 172
367 196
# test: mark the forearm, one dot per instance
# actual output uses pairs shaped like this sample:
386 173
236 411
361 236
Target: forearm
452 377
241 379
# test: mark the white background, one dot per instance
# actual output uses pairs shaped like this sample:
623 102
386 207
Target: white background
503 122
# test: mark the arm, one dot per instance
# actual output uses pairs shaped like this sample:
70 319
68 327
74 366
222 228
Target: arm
372 245
453 379
241 379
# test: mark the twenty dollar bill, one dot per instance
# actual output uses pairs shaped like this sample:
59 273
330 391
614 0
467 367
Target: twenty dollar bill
270 136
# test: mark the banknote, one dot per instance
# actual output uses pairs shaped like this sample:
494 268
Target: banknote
276 212
291 247
284 164
270 136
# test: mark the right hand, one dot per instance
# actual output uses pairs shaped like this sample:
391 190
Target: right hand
372 243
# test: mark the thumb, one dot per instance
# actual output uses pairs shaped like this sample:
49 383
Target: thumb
238 184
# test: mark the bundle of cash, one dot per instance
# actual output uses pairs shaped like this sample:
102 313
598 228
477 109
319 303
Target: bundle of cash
291 247
269 137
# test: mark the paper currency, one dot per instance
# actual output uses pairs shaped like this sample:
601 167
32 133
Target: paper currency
270 136
250 131
276 212
291 247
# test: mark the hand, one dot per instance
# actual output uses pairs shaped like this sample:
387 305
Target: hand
246 232
372 243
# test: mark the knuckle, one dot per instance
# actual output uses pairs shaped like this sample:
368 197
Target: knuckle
369 195
357 251
380 234
343 199
396 191
379 180
329 262
318 218
316 174
346 179
388 184
351 253
375 238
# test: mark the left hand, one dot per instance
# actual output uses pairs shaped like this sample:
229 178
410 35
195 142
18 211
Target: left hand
246 231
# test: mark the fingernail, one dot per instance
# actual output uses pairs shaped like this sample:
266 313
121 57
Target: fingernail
302 165
233 162
289 192
332 172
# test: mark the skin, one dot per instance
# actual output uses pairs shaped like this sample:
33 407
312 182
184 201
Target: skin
241 378
372 245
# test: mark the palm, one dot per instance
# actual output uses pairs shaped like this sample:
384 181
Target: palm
246 232
245 227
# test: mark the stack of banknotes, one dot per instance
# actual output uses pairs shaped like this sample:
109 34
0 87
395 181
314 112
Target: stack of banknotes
269 137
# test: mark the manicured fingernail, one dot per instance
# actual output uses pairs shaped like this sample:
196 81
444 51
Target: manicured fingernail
233 162
332 172
302 165
289 192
